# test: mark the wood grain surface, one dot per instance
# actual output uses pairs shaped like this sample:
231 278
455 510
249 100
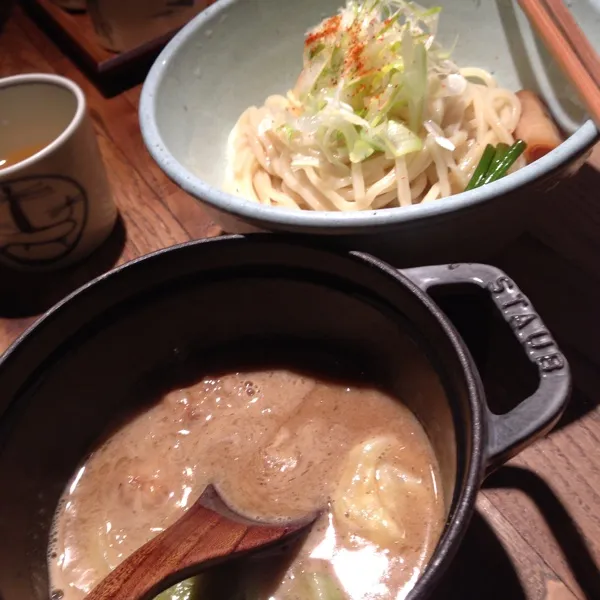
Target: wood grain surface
536 534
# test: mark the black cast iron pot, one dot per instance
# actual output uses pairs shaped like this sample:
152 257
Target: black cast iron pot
67 378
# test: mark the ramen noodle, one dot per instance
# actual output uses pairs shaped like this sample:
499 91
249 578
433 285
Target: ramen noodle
379 117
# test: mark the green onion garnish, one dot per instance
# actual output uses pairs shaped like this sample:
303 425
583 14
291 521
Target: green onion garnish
506 162
482 167
495 163
501 150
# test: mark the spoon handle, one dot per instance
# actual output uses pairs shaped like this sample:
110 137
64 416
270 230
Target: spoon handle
200 539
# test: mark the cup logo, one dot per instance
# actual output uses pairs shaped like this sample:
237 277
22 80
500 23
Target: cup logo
42 218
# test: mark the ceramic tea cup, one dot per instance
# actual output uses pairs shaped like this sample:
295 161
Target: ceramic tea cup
56 205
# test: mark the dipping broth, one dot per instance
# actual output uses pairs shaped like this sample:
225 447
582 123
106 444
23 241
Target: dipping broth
278 444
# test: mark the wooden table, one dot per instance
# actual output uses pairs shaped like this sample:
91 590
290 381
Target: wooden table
537 531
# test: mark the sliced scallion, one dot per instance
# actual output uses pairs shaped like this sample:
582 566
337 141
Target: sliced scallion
507 161
501 150
482 168
495 163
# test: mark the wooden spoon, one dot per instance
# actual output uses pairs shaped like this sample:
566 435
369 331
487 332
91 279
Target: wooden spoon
209 533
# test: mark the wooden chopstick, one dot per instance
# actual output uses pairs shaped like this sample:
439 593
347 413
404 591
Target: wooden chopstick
576 37
564 49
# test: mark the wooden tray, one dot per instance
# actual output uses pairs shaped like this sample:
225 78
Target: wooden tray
74 34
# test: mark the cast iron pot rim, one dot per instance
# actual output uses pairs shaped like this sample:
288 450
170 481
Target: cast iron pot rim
459 518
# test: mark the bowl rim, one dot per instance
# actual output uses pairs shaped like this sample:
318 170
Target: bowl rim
574 146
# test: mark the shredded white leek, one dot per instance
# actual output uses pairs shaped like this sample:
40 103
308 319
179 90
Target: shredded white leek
367 73
376 90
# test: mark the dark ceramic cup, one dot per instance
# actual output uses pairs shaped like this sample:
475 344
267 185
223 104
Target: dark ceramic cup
66 379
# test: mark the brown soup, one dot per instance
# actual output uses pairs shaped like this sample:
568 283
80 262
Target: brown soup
278 443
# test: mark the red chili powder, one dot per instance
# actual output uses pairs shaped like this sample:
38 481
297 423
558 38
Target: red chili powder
330 27
353 60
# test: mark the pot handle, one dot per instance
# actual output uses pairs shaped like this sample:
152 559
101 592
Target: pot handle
508 434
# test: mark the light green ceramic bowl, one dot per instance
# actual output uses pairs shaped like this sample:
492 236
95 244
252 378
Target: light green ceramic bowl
237 52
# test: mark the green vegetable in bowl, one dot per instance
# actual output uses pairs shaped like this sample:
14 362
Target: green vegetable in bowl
185 590
323 587
499 168
242 583
244 580
495 163
482 168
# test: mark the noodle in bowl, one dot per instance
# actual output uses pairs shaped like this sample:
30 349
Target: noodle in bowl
262 165
379 117
208 100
